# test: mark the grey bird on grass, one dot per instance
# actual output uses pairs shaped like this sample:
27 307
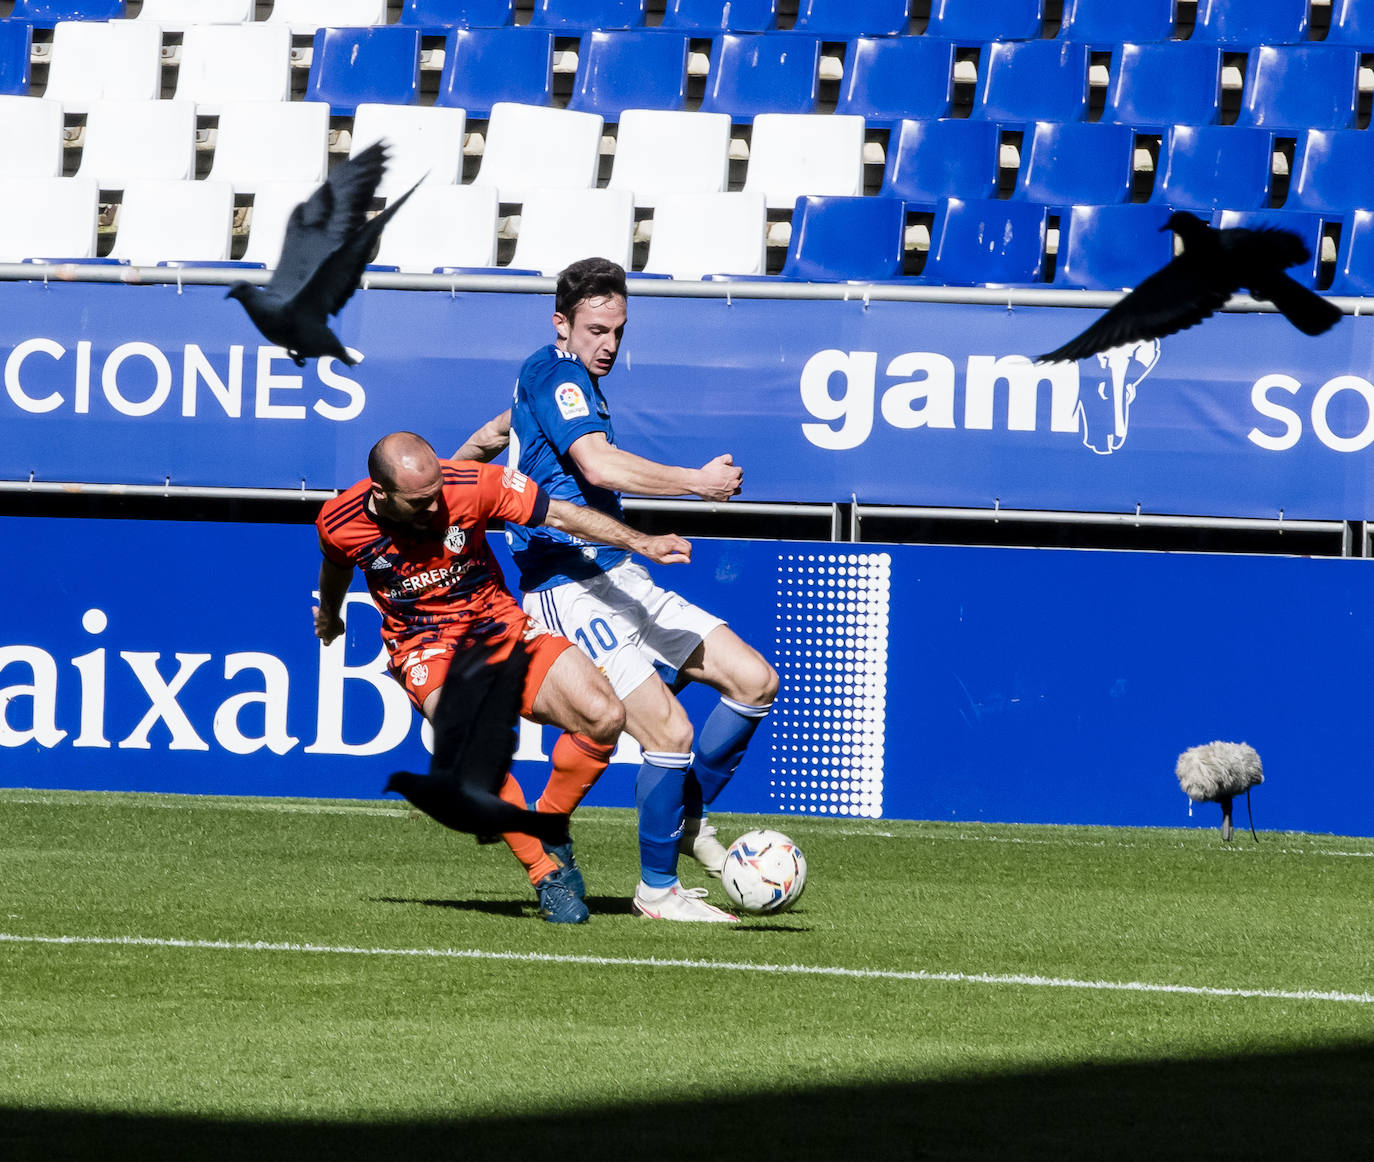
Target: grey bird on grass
329 239
1213 265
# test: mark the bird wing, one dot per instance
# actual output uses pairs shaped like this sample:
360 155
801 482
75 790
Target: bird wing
327 219
1306 310
474 723
1177 296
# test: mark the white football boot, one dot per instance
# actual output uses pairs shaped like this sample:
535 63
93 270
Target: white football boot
679 903
700 842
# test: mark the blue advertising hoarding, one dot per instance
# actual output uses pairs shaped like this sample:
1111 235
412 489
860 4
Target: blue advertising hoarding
903 403
917 682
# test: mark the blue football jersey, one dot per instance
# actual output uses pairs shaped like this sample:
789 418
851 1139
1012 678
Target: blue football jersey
556 402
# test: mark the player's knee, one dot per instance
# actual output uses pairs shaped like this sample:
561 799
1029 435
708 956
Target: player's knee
605 715
756 682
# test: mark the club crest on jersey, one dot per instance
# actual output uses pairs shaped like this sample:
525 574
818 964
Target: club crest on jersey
455 539
571 402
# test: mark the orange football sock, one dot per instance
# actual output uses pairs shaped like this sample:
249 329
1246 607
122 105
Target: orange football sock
577 763
528 850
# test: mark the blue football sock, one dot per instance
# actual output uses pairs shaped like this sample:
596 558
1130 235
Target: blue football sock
658 795
720 746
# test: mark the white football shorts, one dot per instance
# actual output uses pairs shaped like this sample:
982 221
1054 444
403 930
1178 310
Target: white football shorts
627 625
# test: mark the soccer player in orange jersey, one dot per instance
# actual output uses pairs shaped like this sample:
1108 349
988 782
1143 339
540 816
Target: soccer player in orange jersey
417 530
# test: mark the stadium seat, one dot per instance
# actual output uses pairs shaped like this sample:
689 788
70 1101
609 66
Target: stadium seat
558 227
16 41
129 140
272 206
1039 80
1352 23
171 221
442 226
483 66
846 239
352 65
529 148
1076 163
423 139
928 161
712 16
271 141
438 16
752 74
48 13
1308 227
1111 247
661 151
1301 86
985 20
47 218
1104 23
1251 22
1333 171
890 78
843 19
179 15
306 16
571 16
792 154
30 137
981 241
1214 167
117 61
1355 256
699 234
634 69
1153 86
234 62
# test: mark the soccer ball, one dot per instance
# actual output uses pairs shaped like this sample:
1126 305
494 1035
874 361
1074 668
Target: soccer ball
764 872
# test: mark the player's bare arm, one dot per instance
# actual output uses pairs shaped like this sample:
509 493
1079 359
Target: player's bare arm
606 466
593 525
333 589
488 441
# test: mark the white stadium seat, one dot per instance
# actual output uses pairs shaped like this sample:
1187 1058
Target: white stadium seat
791 154
305 16
271 141
699 234
272 206
560 226
119 60
47 218
30 137
442 226
179 15
234 62
128 140
161 221
424 139
530 148
664 151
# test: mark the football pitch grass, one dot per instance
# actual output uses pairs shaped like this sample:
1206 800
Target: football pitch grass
211 978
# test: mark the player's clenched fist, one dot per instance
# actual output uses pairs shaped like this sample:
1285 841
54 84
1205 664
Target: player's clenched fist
719 479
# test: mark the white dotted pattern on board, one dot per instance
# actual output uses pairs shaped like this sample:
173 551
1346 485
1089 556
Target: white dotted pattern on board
830 644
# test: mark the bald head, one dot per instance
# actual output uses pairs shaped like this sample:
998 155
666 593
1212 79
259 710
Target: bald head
407 484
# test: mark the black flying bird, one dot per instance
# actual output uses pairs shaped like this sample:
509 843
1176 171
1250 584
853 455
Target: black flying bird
474 742
1213 266
329 239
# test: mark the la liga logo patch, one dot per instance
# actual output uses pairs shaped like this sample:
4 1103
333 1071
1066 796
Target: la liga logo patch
571 402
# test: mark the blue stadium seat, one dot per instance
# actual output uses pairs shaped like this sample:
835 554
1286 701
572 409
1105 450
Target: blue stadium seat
1076 163
355 65
1251 22
586 15
888 78
1355 256
1352 22
1308 227
1301 86
713 16
485 65
1038 80
842 19
1153 86
630 69
1112 22
438 16
843 239
752 73
47 13
1333 171
980 241
16 40
928 161
985 20
1214 167
1111 247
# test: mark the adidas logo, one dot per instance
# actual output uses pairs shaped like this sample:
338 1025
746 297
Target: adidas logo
379 565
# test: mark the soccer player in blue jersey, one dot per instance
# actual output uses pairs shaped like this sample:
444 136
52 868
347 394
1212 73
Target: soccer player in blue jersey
647 640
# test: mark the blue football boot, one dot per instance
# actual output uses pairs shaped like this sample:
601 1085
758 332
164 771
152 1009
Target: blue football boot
562 855
558 904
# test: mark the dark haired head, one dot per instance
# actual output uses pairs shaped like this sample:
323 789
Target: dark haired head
588 278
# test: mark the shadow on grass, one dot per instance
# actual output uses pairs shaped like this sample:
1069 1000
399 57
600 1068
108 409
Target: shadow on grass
1308 1104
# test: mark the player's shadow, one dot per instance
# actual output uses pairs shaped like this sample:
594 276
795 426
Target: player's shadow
515 908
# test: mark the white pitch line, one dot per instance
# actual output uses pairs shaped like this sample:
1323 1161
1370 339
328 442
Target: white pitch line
921 975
